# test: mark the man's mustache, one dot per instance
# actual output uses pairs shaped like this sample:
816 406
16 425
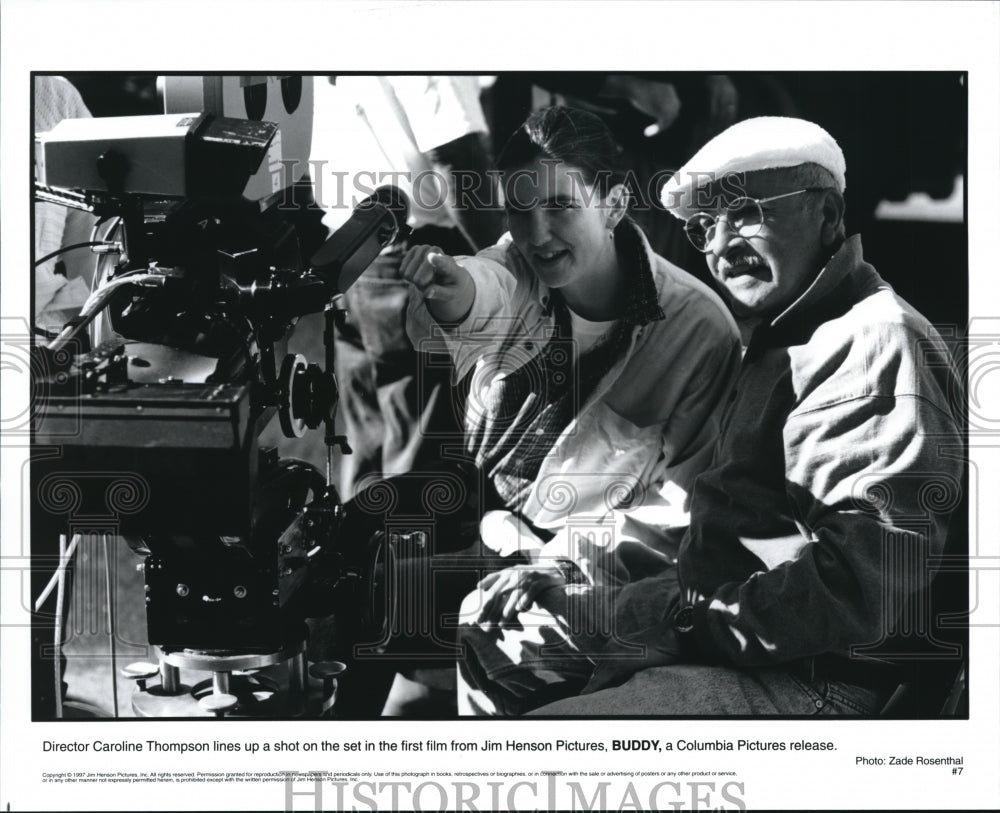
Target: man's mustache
730 262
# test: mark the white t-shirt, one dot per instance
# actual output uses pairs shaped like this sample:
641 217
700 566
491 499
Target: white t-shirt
586 333
373 130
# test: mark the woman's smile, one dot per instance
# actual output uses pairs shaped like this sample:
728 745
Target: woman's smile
550 257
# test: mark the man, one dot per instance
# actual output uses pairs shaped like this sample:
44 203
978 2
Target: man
812 533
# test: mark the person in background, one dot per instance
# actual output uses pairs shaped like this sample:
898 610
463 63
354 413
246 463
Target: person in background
598 373
812 533
427 135
62 284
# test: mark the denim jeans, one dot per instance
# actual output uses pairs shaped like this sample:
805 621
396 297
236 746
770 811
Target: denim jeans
706 691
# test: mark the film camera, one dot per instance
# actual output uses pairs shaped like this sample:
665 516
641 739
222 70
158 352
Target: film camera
153 398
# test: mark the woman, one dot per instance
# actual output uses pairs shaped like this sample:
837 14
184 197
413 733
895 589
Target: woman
597 371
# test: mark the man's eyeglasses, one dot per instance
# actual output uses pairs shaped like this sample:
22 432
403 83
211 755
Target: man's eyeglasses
744 216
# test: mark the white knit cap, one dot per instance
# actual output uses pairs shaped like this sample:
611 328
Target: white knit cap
767 142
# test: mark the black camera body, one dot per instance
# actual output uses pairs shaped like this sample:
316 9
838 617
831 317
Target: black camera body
148 427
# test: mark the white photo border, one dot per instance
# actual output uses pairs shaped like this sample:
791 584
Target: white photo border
486 37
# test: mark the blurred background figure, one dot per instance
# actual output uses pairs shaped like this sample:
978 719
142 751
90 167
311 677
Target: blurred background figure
904 136
427 135
63 282
61 286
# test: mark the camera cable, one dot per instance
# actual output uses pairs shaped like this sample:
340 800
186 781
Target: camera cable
97 300
64 249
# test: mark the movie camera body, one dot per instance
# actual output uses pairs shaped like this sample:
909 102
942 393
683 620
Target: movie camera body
152 400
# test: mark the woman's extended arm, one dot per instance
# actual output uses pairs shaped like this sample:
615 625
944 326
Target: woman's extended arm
447 288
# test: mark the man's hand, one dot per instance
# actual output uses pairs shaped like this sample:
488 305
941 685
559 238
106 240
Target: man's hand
513 590
447 288
643 634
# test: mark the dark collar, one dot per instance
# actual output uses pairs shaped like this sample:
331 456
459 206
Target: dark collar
836 285
635 254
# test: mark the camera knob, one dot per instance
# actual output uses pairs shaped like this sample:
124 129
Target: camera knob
309 396
219 704
328 672
314 395
292 423
140 672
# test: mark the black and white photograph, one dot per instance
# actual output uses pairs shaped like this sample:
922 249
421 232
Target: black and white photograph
644 410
